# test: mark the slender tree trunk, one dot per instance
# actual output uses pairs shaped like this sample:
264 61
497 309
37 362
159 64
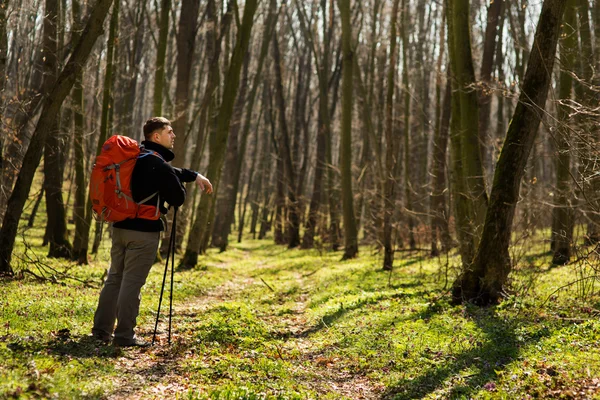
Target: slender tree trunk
484 281
80 248
161 53
250 187
323 124
438 208
107 100
51 106
226 201
586 96
469 116
218 143
286 152
408 150
53 165
135 59
494 14
186 42
562 224
3 60
391 153
350 231
3 55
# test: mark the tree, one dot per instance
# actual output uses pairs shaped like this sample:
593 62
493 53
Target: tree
322 61
186 43
50 108
285 152
350 233
483 281
562 224
53 167
233 163
218 142
107 102
161 52
468 177
392 150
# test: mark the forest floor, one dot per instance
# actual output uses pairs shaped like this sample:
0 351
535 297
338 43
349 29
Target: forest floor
261 321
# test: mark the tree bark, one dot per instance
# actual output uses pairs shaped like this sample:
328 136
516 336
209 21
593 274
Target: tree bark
161 53
349 219
484 281
226 201
562 224
323 121
293 228
494 14
51 106
233 163
469 116
186 43
107 101
218 142
392 150
53 167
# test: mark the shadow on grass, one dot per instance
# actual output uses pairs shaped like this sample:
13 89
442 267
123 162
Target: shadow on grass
331 318
84 347
501 348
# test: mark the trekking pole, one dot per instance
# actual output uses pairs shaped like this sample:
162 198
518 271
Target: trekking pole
172 250
162 289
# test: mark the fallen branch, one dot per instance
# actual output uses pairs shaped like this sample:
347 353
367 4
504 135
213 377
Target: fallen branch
267 285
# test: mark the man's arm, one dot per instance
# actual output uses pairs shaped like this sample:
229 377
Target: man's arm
186 175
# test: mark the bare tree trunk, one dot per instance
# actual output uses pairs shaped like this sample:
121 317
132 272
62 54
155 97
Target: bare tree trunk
494 14
226 201
218 142
161 53
438 209
562 224
107 100
135 57
483 282
408 165
50 109
350 231
322 171
186 42
392 150
588 66
293 238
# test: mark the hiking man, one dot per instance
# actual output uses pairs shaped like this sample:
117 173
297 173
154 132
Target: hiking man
135 240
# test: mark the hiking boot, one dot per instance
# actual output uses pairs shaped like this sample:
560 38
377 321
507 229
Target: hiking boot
101 338
130 343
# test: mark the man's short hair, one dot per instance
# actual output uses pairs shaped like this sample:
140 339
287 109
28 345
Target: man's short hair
155 124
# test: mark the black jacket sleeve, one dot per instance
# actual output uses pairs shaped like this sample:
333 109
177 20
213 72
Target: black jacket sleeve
170 187
186 175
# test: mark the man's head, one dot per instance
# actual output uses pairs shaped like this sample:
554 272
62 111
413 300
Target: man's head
159 130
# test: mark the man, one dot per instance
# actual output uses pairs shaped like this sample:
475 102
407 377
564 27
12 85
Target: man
135 241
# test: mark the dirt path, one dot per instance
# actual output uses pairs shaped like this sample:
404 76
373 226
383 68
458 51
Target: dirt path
155 373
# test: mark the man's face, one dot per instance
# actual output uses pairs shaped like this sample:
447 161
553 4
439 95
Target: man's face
165 137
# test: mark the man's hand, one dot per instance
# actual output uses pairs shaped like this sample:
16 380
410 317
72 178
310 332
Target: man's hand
204 184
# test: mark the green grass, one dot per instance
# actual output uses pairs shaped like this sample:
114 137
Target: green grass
260 321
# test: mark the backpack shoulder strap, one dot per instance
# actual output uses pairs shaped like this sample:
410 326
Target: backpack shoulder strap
145 152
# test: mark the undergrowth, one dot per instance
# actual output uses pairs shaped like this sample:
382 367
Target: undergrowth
260 321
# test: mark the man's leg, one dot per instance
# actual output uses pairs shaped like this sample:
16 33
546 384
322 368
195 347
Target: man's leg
106 313
139 257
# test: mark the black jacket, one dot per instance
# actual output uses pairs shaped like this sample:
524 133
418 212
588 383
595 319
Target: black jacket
153 174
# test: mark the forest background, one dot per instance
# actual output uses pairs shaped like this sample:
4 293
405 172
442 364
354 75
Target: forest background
462 133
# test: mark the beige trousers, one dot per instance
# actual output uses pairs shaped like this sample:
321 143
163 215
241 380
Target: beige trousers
132 256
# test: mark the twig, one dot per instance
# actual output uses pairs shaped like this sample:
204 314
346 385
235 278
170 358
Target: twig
267 285
567 285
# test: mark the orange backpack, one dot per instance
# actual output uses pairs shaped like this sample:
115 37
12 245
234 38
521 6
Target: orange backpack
110 184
